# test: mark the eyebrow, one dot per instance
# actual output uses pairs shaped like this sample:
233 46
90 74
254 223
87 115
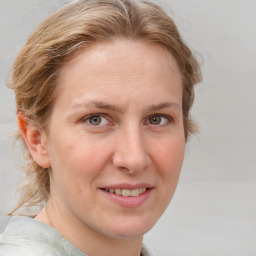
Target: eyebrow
107 106
164 105
100 105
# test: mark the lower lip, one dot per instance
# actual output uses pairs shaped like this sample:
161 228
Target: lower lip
129 201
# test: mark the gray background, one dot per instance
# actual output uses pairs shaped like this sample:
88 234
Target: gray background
214 210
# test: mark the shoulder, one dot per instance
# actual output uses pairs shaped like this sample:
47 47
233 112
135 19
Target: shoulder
25 236
20 246
18 250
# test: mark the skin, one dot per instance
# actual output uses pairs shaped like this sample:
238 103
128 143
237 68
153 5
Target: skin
134 90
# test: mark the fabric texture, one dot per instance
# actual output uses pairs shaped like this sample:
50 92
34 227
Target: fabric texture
26 236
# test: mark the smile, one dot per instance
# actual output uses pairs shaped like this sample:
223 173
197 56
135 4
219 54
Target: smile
126 192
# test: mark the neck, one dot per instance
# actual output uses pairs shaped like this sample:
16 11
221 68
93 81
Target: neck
86 239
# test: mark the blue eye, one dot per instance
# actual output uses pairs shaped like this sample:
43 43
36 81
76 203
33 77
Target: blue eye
97 120
158 120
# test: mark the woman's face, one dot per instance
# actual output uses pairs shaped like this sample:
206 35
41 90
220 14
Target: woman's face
116 139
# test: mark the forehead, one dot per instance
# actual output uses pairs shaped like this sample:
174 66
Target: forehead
120 66
123 54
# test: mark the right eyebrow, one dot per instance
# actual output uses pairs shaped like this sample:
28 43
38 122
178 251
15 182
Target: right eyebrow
100 105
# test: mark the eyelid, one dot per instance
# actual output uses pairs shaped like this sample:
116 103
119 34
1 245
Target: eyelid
168 117
86 118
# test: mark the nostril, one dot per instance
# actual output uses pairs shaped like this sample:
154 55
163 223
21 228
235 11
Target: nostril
131 155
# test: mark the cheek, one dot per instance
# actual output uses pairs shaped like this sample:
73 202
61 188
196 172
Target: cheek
77 163
169 158
88 154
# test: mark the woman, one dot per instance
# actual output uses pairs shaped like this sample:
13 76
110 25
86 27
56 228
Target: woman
103 91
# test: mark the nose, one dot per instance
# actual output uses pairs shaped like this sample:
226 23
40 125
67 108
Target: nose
131 151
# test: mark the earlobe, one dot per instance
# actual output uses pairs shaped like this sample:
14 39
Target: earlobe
36 141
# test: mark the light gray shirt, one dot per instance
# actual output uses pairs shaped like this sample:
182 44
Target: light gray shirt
26 236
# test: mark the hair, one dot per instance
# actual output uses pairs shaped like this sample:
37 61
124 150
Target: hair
69 30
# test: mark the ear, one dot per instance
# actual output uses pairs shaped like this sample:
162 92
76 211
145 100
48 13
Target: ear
36 141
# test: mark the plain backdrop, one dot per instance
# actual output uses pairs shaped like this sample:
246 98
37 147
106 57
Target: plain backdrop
214 209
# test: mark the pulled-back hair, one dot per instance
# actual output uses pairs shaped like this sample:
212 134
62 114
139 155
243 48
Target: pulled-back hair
69 30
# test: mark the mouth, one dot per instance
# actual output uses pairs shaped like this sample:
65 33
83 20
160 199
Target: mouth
128 195
126 192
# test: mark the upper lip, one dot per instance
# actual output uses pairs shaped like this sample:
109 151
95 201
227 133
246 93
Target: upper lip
128 186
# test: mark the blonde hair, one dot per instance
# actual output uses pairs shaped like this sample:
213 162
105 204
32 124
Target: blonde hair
71 29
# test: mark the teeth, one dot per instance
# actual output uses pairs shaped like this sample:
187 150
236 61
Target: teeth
135 192
118 191
127 192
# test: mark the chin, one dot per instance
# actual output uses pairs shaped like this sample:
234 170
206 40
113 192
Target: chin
130 229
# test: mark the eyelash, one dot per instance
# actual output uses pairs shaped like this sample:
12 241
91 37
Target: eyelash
87 118
168 118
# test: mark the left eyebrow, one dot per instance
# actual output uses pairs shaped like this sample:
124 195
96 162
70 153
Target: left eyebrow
164 105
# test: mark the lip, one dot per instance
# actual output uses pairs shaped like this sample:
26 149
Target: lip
128 201
128 186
